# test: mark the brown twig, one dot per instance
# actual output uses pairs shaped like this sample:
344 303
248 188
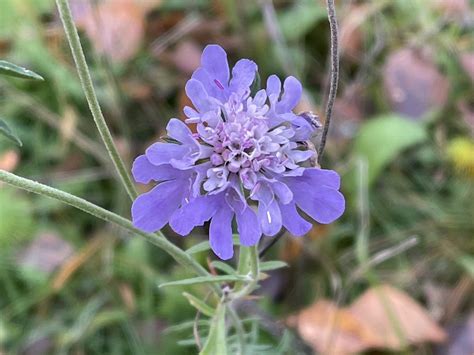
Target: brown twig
334 74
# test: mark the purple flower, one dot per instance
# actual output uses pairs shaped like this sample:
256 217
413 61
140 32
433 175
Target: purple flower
248 161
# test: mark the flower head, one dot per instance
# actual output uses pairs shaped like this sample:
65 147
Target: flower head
248 161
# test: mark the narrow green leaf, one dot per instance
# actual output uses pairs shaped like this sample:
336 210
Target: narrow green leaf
204 246
219 265
186 326
10 69
201 306
7 133
272 265
199 247
382 139
216 340
204 280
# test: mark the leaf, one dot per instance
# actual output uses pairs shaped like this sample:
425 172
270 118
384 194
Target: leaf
119 32
204 246
205 279
216 340
201 306
9 160
330 330
383 317
224 267
301 18
381 139
396 318
272 265
413 84
10 69
199 247
7 133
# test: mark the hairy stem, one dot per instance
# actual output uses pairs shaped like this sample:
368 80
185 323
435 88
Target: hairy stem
334 74
157 239
87 86
253 268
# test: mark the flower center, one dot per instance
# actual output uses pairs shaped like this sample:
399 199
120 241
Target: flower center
244 145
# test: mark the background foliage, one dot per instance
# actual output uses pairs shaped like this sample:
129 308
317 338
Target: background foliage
402 139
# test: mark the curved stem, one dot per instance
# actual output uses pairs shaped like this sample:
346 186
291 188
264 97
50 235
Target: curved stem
157 239
88 88
334 74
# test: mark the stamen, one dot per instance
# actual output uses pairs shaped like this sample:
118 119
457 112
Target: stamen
218 83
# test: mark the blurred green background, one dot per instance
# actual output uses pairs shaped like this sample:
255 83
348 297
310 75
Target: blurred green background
401 137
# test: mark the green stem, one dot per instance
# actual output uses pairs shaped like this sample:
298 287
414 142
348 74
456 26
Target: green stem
239 328
87 86
253 267
157 239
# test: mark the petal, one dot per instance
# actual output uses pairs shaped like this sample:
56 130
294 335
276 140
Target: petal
282 191
263 193
243 75
198 95
214 60
220 233
317 177
260 98
190 112
273 85
293 221
162 153
324 204
152 210
178 130
213 88
291 95
248 227
195 213
143 171
270 218
301 155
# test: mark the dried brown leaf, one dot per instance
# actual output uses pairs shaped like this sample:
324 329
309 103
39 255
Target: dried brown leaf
383 317
187 57
331 330
395 318
116 28
413 83
9 160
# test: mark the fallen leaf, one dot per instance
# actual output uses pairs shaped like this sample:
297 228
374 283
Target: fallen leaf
413 84
45 253
9 160
187 56
395 318
331 330
116 28
382 318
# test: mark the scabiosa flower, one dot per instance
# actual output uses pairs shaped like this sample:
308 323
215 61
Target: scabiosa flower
248 161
